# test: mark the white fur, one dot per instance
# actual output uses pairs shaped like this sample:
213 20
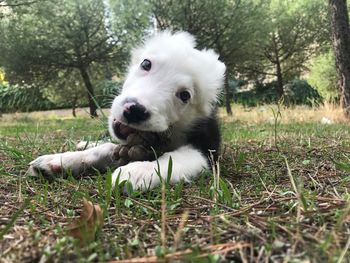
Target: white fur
187 163
74 162
176 65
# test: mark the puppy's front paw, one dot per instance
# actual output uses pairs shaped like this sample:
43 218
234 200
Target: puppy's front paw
46 165
141 175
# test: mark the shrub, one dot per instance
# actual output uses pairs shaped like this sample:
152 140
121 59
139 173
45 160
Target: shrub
297 92
31 98
107 90
262 93
22 98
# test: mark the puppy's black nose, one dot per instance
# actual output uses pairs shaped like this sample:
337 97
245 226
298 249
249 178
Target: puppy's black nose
135 112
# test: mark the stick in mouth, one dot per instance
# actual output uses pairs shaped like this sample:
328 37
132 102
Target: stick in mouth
121 130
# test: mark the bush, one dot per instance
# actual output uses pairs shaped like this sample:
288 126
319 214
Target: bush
297 92
106 90
262 93
22 98
27 98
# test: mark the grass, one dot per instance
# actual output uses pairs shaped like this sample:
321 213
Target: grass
281 194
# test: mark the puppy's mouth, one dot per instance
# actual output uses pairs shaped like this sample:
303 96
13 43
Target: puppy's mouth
121 130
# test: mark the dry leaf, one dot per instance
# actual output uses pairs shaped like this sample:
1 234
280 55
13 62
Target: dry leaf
90 220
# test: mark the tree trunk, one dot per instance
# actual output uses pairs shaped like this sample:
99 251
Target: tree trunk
74 106
341 46
227 96
90 92
277 62
107 72
280 90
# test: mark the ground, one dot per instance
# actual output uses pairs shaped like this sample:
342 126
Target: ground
282 195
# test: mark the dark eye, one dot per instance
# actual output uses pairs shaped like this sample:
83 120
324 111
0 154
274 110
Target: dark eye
183 95
146 65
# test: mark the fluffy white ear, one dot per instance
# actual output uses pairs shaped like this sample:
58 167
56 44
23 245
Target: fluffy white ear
210 75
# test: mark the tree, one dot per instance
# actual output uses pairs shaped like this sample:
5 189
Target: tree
341 45
229 27
45 38
294 35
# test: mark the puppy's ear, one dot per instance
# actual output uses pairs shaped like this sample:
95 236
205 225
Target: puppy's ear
217 67
210 75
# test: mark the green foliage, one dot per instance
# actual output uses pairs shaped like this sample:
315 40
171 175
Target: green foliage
295 31
67 91
107 90
297 92
262 93
323 76
22 98
130 21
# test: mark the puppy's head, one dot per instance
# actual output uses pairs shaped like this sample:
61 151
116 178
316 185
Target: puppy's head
169 83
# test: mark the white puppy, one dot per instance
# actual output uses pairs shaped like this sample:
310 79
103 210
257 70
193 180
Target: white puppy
170 83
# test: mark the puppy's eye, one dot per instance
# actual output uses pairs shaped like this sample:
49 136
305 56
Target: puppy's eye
183 95
146 65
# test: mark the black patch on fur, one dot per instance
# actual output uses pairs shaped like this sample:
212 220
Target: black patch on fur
204 135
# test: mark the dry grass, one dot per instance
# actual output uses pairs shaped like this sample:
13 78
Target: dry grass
255 115
298 114
64 114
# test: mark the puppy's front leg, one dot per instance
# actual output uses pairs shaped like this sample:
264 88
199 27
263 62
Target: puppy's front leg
100 158
188 162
